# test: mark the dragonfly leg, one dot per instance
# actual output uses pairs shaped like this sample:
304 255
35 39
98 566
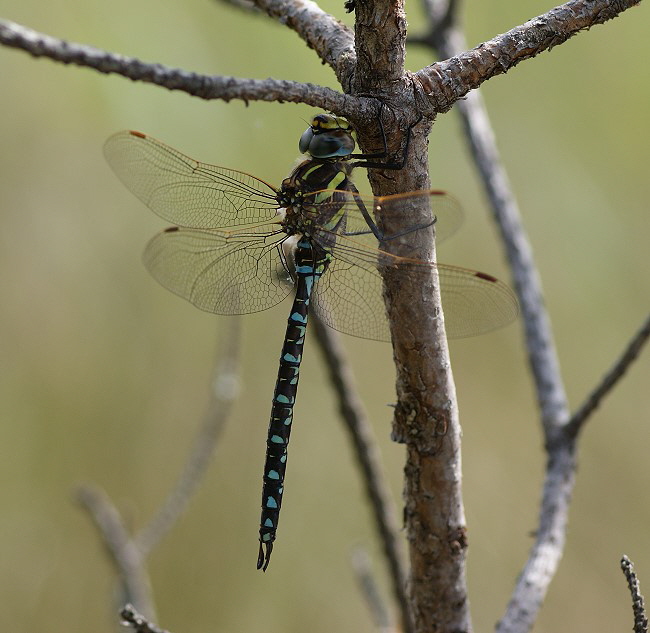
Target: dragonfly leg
374 229
410 230
370 161
366 216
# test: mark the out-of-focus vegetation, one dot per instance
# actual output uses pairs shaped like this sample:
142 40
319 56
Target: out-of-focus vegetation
104 375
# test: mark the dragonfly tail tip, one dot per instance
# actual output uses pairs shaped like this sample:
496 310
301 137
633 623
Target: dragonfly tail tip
264 557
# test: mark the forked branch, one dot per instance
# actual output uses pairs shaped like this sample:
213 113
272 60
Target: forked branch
437 87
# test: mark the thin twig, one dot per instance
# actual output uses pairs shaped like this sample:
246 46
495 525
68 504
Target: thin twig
363 571
224 390
122 550
367 453
638 605
610 378
140 624
203 86
128 554
441 14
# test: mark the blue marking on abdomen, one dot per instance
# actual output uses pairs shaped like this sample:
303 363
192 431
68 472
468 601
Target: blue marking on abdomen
296 316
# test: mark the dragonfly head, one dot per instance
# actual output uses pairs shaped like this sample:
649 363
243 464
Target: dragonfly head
327 137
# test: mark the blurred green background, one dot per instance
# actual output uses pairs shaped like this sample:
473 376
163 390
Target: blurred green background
105 375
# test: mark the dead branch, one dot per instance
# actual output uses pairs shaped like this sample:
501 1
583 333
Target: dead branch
203 86
442 84
131 617
638 604
610 379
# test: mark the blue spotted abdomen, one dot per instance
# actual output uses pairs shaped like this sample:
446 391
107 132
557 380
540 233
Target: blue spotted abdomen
311 262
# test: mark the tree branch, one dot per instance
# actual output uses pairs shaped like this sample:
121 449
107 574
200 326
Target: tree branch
540 345
426 415
137 621
380 51
638 605
120 547
444 83
544 557
203 86
610 378
331 39
546 552
128 554
370 591
367 454
550 536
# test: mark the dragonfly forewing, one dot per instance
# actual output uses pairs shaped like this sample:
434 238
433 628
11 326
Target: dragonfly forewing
185 191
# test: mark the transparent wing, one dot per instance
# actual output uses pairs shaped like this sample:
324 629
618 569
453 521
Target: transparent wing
184 191
387 212
225 272
349 296
474 302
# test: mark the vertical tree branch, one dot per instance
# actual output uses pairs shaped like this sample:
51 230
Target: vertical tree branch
426 416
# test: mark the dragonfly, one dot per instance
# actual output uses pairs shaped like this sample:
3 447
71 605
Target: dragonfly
240 245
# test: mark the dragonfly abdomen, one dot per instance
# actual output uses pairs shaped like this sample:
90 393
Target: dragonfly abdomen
310 264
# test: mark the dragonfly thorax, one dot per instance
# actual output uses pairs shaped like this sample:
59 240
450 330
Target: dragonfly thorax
308 196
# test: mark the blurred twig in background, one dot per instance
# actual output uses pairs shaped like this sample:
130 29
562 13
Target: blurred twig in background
617 371
129 553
